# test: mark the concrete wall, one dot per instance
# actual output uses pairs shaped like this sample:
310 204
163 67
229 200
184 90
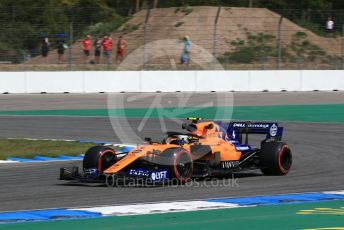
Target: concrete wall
170 81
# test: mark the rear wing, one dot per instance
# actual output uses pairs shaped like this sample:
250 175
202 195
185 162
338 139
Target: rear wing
235 130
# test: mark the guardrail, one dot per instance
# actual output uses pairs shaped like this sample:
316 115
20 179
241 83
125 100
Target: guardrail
170 81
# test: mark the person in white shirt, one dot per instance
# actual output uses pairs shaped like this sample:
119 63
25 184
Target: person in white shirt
329 26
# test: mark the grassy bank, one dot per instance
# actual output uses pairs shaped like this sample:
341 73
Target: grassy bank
30 148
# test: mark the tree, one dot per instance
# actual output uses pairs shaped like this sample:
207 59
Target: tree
137 7
155 3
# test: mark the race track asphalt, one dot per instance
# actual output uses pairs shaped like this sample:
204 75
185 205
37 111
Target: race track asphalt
9 102
318 166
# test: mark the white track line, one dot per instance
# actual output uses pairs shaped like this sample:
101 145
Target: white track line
141 209
6 162
335 192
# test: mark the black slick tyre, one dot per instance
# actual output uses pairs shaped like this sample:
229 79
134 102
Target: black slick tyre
275 158
100 158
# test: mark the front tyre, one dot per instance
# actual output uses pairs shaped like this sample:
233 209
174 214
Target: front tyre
275 158
98 158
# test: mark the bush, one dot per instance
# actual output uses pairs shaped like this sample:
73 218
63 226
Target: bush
101 28
186 9
256 47
303 48
128 28
300 35
178 24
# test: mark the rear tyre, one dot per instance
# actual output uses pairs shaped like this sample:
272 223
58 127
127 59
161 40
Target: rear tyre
179 164
99 158
275 158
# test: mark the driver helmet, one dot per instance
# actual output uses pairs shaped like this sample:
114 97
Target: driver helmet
182 139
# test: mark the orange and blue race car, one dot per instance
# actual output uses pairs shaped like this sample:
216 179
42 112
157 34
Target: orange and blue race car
204 149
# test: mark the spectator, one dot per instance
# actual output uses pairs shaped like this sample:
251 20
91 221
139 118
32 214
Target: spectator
329 27
107 49
60 50
121 45
45 48
86 46
97 50
110 46
185 57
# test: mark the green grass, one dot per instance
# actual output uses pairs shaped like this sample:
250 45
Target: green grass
30 148
323 113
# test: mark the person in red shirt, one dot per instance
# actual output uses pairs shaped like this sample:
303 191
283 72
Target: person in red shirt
121 45
107 49
86 46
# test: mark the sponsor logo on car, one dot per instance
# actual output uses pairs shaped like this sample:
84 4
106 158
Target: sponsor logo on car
273 130
254 126
139 172
242 148
159 175
90 172
154 175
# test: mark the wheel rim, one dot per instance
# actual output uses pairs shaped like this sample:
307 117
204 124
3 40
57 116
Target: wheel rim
107 159
183 166
285 159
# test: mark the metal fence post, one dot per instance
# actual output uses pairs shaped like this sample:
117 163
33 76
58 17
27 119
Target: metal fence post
226 62
145 48
215 31
279 43
263 61
24 61
343 47
71 31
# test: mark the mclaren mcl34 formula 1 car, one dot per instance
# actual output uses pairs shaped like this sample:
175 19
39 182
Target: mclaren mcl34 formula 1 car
204 149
